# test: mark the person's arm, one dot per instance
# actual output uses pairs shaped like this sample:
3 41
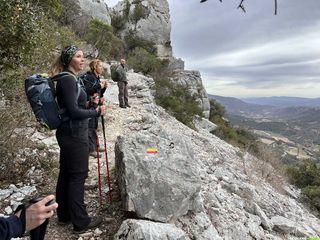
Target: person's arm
91 84
70 97
10 227
102 91
38 212
35 215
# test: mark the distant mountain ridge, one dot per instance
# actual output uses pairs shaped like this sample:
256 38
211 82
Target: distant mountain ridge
240 107
280 108
282 101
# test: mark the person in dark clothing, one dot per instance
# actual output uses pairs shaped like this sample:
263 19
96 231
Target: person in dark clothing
72 137
95 87
35 215
123 84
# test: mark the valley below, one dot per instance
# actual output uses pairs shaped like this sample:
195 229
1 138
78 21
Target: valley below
290 129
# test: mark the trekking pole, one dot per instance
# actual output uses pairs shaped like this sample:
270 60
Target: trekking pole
105 151
98 158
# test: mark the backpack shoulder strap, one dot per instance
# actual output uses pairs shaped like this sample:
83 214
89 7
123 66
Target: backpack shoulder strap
64 74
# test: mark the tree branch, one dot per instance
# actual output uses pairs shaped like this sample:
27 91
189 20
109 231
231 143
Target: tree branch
244 10
241 6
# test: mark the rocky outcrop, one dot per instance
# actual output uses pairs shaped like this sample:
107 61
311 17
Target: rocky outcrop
155 26
176 64
192 81
161 185
146 230
224 196
80 12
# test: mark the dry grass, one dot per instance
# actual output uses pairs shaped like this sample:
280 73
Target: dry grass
265 163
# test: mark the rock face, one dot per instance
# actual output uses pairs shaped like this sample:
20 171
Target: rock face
161 186
82 11
198 183
155 27
140 229
193 82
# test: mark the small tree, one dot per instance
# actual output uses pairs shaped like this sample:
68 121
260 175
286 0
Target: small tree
177 101
132 41
100 35
118 22
143 61
306 175
139 12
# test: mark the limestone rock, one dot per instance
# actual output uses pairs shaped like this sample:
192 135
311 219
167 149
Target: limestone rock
158 186
287 226
264 219
155 27
193 82
203 124
140 229
82 11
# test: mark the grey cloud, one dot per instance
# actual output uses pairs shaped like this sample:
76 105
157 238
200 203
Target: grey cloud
202 34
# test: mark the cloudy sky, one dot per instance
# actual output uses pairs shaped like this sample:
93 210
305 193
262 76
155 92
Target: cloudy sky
250 54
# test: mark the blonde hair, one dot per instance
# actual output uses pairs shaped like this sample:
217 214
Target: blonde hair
61 62
94 64
56 66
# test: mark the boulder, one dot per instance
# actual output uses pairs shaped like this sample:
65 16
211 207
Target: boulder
156 174
155 27
141 229
192 81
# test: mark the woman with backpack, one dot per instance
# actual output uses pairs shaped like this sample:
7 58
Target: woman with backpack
72 137
95 88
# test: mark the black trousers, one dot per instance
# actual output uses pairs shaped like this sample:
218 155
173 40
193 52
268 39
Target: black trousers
123 93
74 157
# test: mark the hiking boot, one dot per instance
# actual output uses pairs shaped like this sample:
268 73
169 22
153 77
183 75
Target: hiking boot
95 222
127 105
123 106
95 155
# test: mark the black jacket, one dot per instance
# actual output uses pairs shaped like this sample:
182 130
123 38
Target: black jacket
92 84
67 97
10 227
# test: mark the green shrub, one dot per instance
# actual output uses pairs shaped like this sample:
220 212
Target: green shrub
139 12
28 43
313 193
54 8
100 35
118 22
142 61
19 26
306 176
177 101
217 111
126 10
132 41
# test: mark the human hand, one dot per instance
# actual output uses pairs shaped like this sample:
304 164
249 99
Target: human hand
102 100
103 83
38 212
102 109
95 98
